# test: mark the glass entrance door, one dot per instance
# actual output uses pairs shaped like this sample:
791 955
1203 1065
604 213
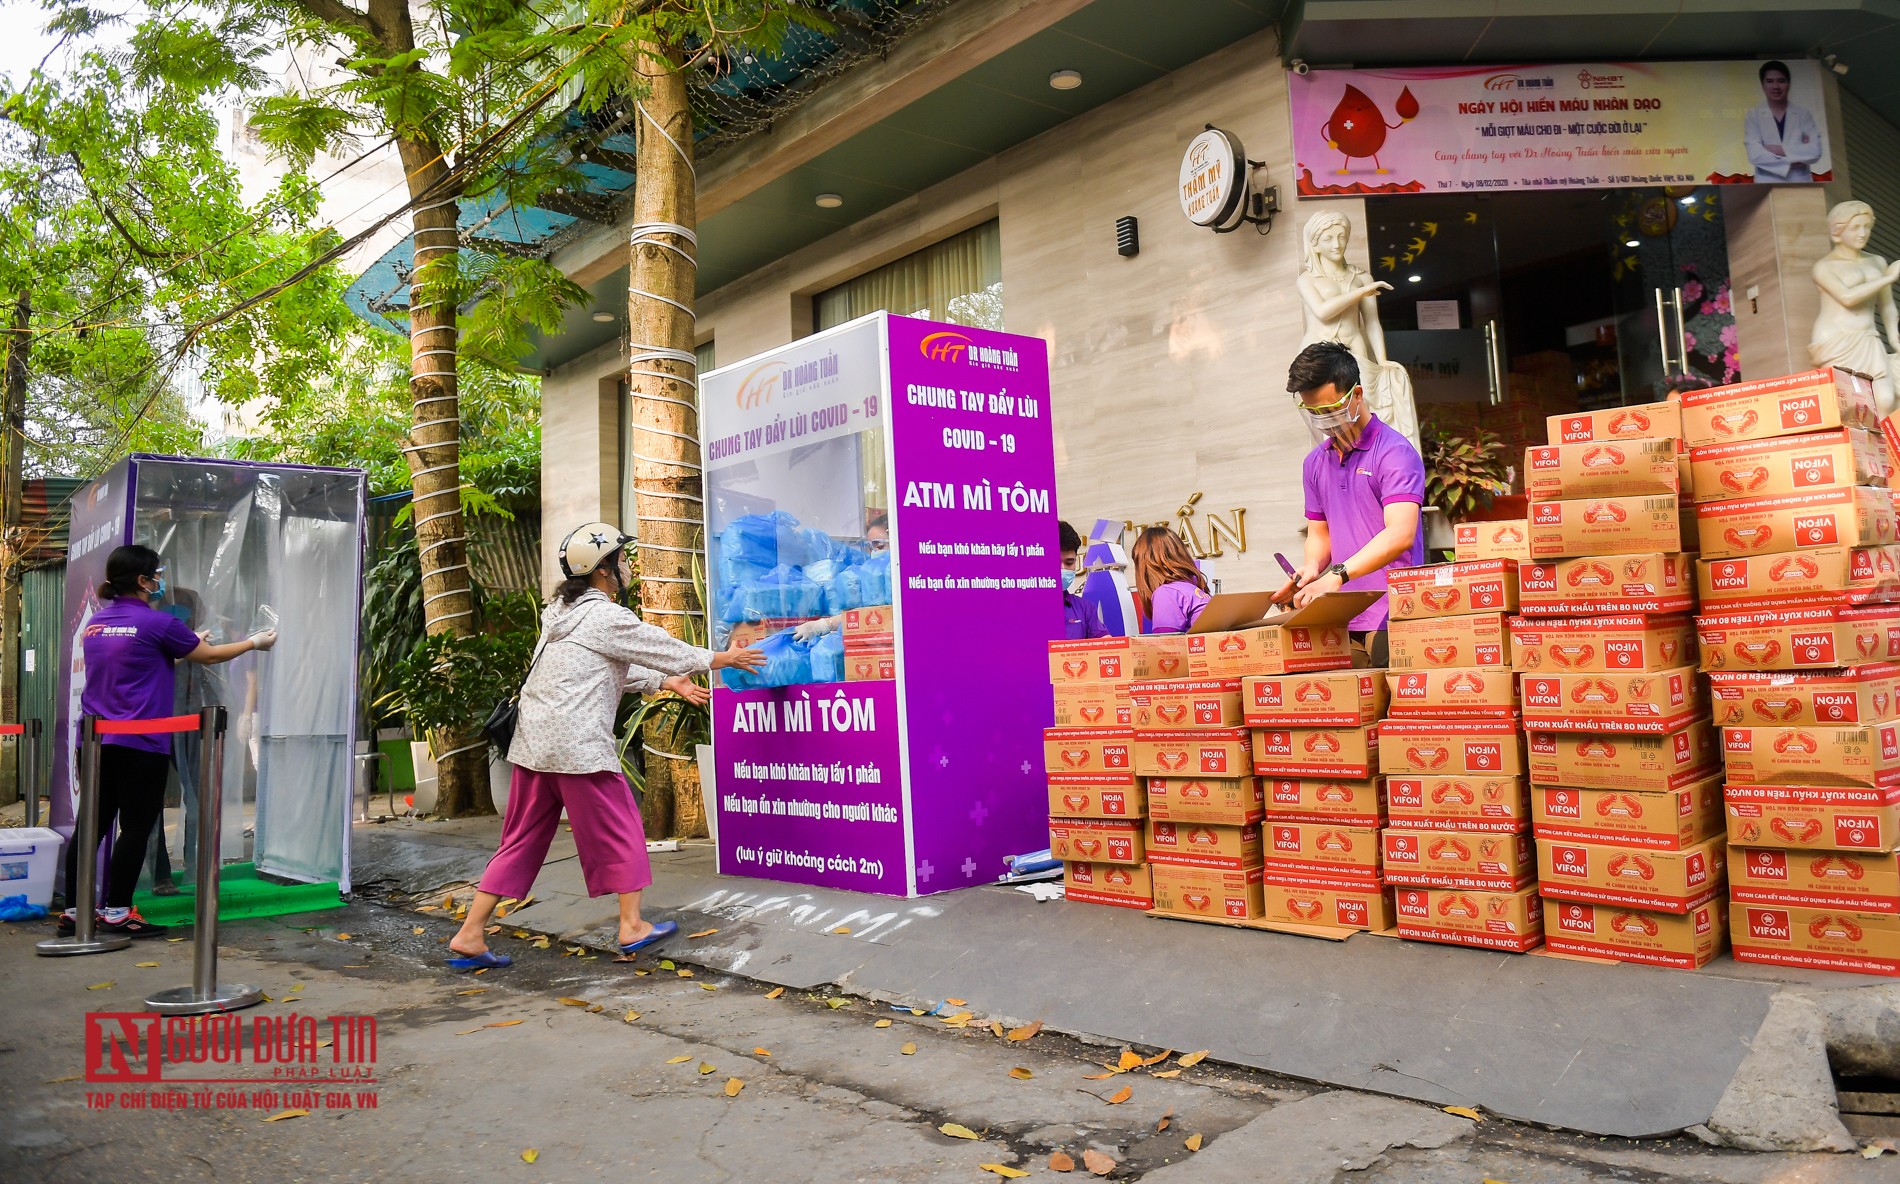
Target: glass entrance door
1668 263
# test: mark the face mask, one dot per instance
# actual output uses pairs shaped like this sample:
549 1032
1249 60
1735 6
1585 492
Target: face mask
159 592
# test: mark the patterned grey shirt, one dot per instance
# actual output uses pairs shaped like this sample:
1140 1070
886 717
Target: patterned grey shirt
595 651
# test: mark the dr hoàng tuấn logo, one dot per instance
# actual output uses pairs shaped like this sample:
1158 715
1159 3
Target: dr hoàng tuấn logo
778 378
948 346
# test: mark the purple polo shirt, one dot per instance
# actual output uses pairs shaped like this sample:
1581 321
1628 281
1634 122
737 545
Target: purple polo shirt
1176 607
1350 495
130 648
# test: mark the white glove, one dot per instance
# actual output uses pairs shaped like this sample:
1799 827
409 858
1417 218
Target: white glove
811 630
264 640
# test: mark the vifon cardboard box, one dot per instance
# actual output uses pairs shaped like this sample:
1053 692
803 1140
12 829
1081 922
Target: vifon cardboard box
1093 705
1335 907
1798 636
1097 840
1669 821
1831 575
1508 538
873 620
1813 754
1814 818
1328 699
1451 589
1122 885
1843 516
1617 585
1474 804
1223 801
1664 701
1852 695
1789 464
1320 799
1639 763
1825 939
1462 691
1185 705
1811 401
869 663
1511 921
1118 659
1232 894
1602 645
1351 753
1196 844
1685 941
1318 854
1069 751
1458 859
1665 881
1451 747
1246 634
1098 796
1223 752
1601 468
1439 643
1857 881
1643 421
1634 525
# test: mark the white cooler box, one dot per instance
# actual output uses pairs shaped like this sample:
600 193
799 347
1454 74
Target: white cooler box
28 857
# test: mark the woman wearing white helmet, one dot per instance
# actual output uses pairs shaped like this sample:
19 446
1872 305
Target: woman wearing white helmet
592 652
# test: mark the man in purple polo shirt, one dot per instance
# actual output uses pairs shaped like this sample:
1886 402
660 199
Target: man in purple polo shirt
1364 486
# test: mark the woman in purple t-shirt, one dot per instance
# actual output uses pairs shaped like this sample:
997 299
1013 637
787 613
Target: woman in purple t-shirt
1170 590
130 649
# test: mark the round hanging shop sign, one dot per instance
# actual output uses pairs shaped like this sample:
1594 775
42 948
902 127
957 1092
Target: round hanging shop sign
1211 171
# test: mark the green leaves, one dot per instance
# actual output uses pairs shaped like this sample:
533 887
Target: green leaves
1463 473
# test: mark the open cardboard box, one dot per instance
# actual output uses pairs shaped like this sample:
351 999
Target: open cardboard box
1244 633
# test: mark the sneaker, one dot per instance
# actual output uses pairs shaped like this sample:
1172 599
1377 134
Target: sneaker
132 925
67 926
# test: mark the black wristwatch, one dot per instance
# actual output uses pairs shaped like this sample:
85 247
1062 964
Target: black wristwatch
1339 569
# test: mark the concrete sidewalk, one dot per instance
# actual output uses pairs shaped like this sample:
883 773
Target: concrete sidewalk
1609 1050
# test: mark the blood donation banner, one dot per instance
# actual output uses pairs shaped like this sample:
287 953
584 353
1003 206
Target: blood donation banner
1458 129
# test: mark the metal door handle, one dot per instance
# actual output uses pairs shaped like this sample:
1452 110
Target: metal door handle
1662 331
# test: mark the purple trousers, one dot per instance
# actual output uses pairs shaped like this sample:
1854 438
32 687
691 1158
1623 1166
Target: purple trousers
607 832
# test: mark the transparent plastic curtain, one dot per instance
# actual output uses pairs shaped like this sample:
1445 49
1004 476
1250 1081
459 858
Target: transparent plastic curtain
249 548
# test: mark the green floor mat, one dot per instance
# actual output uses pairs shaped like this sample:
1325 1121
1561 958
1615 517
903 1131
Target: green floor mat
241 893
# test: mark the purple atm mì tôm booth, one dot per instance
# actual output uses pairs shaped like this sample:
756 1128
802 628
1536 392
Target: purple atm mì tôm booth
881 521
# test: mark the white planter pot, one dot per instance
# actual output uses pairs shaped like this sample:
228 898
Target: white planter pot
424 762
1440 533
708 789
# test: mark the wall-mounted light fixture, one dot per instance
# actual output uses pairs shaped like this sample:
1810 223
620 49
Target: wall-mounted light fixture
828 201
1127 236
1065 80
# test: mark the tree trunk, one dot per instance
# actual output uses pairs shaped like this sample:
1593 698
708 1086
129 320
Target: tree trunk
664 380
13 427
656 804
433 449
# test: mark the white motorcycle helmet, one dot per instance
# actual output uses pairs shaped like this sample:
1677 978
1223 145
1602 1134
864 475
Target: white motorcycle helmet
588 545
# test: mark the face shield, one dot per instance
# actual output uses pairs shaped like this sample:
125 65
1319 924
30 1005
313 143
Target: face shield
1336 423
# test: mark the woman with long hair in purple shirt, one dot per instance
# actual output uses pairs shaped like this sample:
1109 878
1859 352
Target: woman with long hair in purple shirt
1169 589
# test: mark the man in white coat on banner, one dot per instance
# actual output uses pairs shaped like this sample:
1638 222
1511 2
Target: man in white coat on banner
1783 141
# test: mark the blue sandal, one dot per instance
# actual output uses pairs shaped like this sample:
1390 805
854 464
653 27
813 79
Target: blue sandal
486 960
661 931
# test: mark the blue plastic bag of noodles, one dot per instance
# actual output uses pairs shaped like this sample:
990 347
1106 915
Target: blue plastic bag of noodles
759 539
787 664
874 580
783 592
827 658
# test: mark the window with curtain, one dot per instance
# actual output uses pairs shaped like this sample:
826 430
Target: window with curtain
959 280
703 360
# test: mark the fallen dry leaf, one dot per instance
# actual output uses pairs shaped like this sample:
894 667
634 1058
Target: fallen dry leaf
842 931
175 939
1464 1112
571 1001
1165 1120
1870 1151
522 933
100 986
761 1052
343 937
597 1008
504 1023
683 972
1060 1161
1006 1172
957 1130
1192 1059
283 1114
705 1068
835 1004
733 1086
475 991
1194 1142
956 1002
571 951
1025 1032
701 933
996 1028
417 929
1170 1074
145 965
64 1080
775 992
1021 1074
492 930
1096 1162
1129 1060
540 943
530 1155
1097 1076
448 902
667 964
1159 1057
882 1024
962 1017
707 987
630 1017
908 1048
1121 1095
679 1060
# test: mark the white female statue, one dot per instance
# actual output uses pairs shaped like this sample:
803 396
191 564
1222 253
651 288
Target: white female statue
1342 304
1854 286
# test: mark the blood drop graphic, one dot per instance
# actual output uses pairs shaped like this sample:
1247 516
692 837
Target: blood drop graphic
1357 127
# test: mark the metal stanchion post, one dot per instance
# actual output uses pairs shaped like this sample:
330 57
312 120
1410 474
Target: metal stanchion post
30 770
84 895
206 993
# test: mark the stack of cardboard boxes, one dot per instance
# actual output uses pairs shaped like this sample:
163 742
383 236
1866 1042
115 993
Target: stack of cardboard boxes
1457 847
1799 634
870 653
1204 803
1624 768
